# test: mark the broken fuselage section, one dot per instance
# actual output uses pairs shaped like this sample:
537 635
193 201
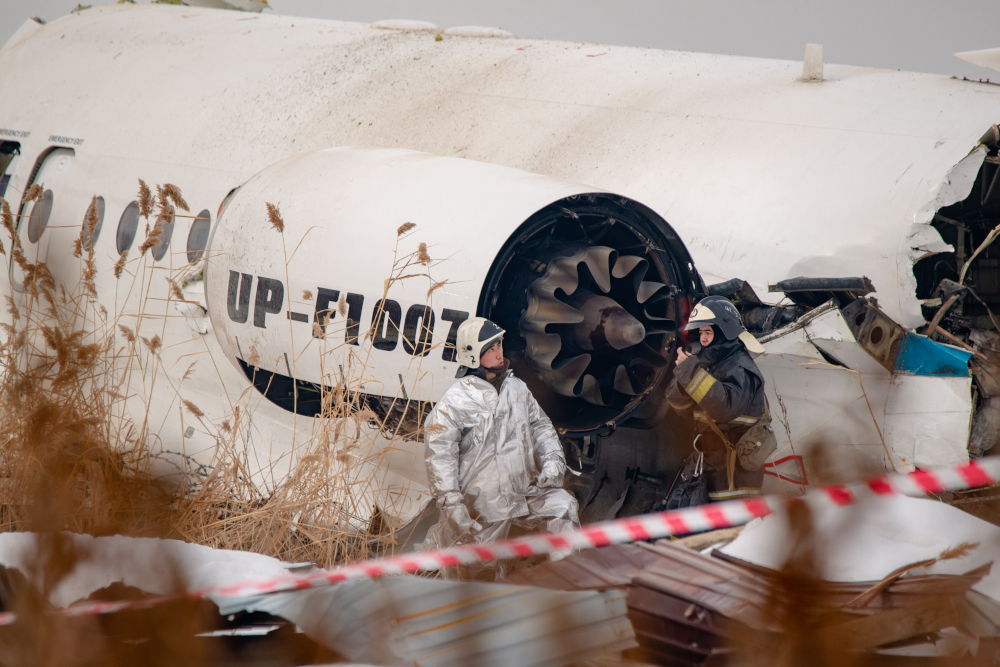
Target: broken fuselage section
960 288
850 390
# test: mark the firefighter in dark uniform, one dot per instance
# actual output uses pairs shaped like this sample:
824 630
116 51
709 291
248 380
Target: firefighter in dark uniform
722 389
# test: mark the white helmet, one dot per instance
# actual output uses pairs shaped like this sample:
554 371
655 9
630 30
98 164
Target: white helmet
475 336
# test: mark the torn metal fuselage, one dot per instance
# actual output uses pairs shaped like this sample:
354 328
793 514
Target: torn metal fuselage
853 392
960 288
840 371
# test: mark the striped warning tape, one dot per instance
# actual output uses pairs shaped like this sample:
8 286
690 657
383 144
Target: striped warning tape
618 531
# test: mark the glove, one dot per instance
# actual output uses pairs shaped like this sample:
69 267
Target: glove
551 475
457 515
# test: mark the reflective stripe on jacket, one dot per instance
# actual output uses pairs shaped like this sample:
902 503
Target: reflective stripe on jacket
722 382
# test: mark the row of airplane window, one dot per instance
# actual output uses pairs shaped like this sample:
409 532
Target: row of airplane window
128 225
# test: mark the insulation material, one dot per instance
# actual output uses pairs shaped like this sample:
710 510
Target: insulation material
919 355
152 565
393 621
875 537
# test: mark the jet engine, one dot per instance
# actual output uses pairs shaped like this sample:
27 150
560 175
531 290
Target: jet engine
314 267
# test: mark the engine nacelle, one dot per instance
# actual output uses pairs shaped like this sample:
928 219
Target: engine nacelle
590 286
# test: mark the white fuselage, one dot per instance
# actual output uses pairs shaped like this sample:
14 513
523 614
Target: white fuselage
764 177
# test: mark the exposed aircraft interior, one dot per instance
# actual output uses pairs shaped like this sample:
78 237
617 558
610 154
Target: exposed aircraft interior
970 227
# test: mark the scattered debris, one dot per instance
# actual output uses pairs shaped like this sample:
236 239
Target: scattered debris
688 608
417 621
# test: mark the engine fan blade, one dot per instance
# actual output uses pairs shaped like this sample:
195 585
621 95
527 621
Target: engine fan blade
647 289
622 381
563 379
657 332
598 259
543 311
591 390
661 322
626 264
542 348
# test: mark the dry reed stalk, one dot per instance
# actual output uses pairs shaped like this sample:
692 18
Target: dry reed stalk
145 199
76 459
154 237
274 217
34 192
120 265
175 291
173 193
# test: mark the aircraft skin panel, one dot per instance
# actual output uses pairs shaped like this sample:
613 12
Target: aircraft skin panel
348 243
735 152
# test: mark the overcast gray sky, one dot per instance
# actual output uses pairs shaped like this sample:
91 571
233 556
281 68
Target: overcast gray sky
918 35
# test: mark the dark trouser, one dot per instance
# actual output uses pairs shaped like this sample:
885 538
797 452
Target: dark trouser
745 482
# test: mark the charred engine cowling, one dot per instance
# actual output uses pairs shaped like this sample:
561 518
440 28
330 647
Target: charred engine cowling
593 291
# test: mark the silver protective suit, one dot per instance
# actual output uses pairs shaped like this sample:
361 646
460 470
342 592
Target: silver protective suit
494 461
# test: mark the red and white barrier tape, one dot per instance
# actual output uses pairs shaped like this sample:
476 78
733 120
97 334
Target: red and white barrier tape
632 529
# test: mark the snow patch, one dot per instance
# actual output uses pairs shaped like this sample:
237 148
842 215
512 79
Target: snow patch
405 25
477 31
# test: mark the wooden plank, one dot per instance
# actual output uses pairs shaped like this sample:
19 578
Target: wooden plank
870 631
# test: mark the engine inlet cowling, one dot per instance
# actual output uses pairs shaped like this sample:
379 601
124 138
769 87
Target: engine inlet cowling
594 285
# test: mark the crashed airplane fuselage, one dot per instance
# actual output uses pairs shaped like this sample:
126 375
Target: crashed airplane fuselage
574 176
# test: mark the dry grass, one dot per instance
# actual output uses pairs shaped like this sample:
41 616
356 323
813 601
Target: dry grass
77 456
74 458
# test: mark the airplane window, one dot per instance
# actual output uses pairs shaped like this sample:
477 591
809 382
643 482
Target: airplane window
39 216
88 239
126 227
198 236
8 151
161 248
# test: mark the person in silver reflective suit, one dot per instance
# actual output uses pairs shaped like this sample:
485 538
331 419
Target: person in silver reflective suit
493 459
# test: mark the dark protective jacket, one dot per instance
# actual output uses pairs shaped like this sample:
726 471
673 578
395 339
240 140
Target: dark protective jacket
723 382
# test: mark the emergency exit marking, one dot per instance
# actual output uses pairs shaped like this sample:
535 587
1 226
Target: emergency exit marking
72 141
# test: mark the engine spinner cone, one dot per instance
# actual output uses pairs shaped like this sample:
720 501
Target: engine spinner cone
605 323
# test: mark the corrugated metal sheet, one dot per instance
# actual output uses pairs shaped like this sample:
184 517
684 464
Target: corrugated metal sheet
433 623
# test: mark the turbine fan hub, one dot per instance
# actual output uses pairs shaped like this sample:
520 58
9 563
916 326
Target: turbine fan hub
587 323
605 323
